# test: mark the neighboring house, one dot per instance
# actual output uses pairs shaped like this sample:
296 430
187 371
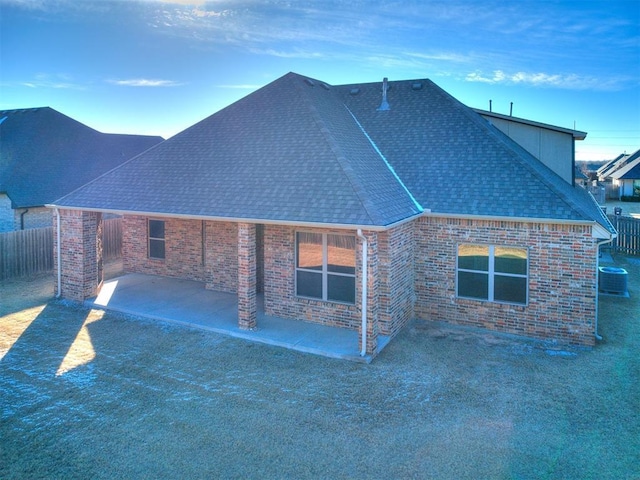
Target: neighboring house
45 155
605 170
325 199
627 177
553 146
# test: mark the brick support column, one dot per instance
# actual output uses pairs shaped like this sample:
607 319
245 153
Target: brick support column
81 253
247 308
372 293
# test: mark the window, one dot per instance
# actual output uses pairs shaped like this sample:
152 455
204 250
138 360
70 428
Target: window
496 274
326 267
156 239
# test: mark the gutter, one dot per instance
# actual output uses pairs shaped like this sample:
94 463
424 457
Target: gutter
290 223
365 244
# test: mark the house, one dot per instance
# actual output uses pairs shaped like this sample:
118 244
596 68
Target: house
44 155
627 177
611 166
356 206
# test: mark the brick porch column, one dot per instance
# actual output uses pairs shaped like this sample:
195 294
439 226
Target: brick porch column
80 254
247 308
372 293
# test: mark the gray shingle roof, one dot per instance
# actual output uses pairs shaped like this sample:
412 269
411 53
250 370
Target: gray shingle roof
45 154
631 170
298 150
288 152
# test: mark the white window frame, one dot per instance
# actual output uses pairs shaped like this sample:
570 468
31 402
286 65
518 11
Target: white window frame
491 274
325 269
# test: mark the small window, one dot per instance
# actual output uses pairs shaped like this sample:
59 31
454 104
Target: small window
493 273
156 239
326 267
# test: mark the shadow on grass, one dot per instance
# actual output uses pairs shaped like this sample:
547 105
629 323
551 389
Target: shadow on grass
47 340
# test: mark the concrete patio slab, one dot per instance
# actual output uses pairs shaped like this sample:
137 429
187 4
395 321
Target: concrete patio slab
188 303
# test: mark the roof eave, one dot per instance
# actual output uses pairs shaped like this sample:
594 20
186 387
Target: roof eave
598 230
341 226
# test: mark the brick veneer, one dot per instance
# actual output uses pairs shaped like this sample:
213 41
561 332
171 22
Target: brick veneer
183 248
247 306
279 285
396 271
562 278
81 273
222 256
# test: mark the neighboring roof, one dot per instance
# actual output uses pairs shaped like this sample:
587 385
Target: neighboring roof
576 134
608 165
616 164
45 154
625 169
631 171
299 150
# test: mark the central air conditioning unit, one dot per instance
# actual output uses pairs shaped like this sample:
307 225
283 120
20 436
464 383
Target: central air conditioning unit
613 280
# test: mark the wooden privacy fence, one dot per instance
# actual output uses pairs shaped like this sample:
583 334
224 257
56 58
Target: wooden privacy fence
628 241
25 252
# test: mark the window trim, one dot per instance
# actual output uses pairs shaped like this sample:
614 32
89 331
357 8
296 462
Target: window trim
156 239
324 271
491 274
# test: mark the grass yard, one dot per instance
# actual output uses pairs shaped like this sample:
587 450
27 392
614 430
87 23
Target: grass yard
90 395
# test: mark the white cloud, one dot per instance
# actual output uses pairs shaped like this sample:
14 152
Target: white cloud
539 79
57 81
145 82
442 56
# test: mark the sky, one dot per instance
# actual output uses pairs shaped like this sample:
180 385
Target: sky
156 67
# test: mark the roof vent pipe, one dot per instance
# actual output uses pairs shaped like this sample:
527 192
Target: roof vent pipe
490 106
511 110
385 86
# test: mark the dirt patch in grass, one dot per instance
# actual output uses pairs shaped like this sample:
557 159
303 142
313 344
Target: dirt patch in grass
92 395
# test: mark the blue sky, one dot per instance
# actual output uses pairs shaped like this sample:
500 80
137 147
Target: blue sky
156 67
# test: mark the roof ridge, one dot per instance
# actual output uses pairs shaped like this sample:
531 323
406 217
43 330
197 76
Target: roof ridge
335 148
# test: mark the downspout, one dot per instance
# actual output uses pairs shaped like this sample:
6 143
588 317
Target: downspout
363 349
22 218
58 249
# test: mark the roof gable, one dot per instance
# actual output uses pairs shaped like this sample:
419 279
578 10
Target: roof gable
45 154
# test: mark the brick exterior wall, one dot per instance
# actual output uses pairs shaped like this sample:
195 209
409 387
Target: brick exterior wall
81 261
562 278
247 305
396 270
221 256
6 214
35 218
183 248
279 283
10 219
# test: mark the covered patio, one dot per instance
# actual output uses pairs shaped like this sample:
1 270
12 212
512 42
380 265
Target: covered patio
188 303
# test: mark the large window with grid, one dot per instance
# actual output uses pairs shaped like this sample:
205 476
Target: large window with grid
156 245
493 273
326 267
